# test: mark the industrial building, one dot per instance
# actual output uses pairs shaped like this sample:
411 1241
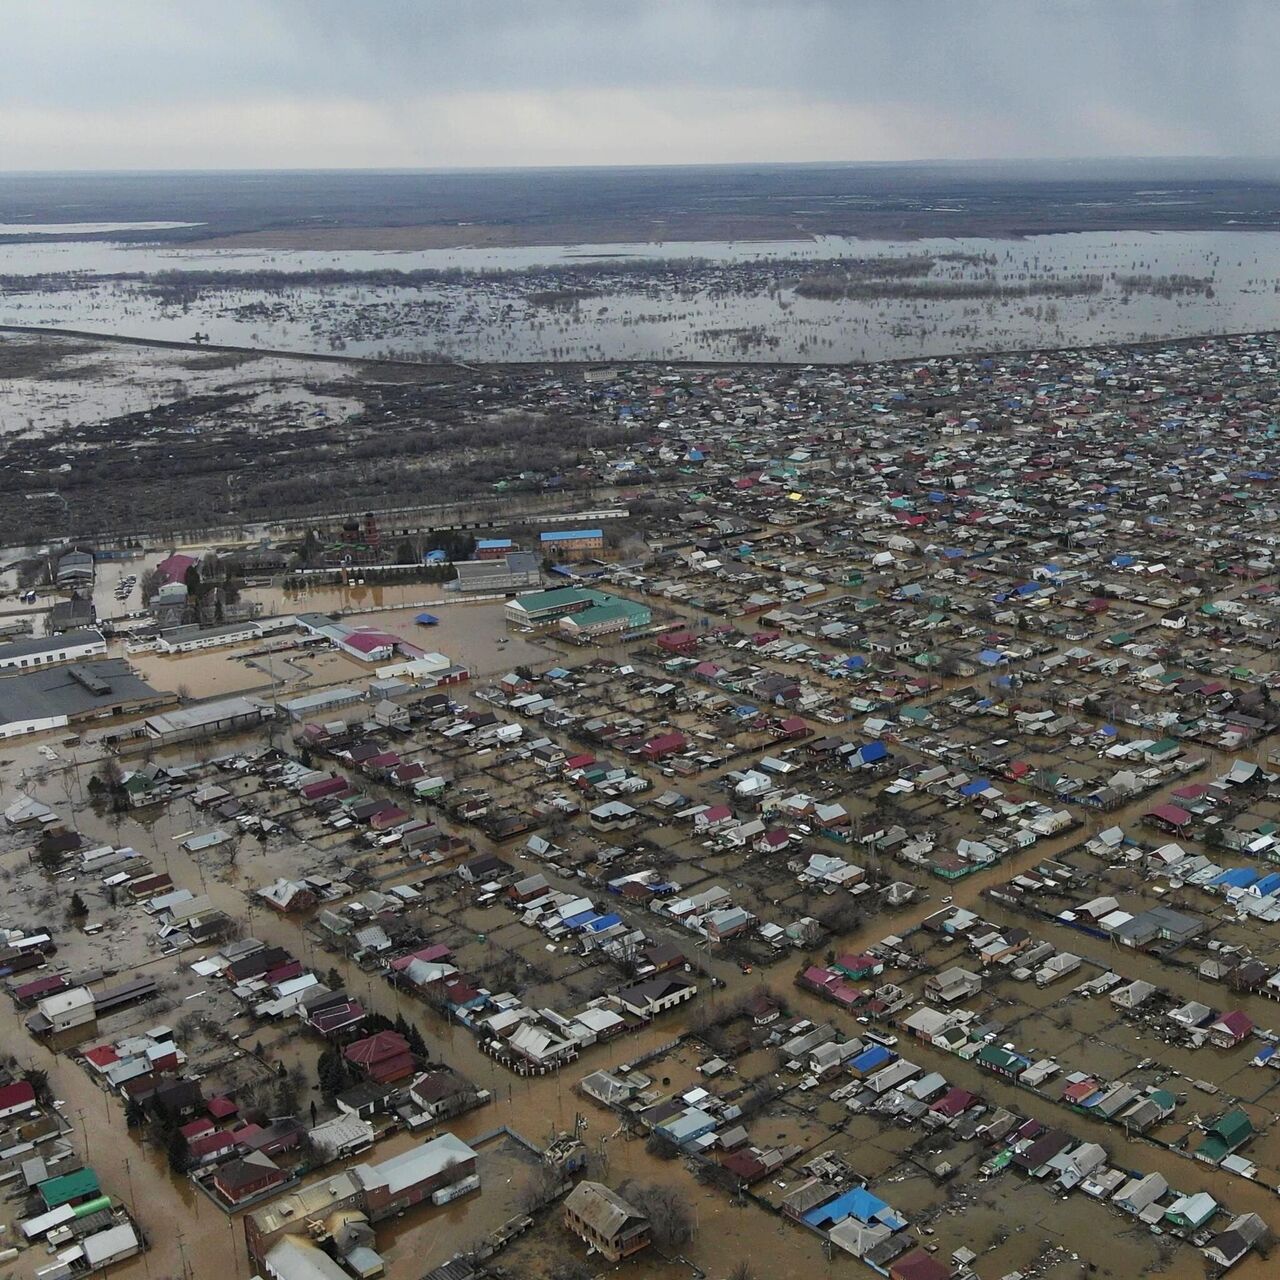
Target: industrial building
615 617
494 548
541 608
311 705
190 638
567 544
224 716
362 643
517 571
44 651
36 701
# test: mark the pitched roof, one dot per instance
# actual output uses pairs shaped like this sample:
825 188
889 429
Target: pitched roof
600 1208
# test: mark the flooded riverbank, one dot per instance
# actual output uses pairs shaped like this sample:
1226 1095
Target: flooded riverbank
726 300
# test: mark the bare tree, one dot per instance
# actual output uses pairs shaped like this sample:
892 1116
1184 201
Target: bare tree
668 1211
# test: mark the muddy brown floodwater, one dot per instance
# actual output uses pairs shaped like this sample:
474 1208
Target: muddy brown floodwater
187 1231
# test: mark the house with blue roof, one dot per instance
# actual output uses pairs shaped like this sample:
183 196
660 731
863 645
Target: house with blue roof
871 1059
1268 885
868 754
1235 878
859 1204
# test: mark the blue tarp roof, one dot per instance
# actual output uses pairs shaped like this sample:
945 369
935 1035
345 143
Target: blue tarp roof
427 619
856 663
870 1058
1236 877
858 1203
975 788
1268 884
603 922
873 751
990 657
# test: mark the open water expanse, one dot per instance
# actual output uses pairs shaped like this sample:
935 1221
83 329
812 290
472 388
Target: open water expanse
731 300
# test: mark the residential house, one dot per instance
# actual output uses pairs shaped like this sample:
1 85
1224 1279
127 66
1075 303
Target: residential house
606 1222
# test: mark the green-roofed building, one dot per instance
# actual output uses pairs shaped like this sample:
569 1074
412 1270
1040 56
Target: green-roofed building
606 619
1230 1131
68 1188
539 608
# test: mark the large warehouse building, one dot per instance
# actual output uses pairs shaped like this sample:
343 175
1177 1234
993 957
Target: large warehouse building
518 571
224 716
36 701
48 651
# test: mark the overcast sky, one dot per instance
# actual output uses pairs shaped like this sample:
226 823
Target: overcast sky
426 83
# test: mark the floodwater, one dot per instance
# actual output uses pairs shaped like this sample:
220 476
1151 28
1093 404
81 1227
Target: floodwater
704 318
473 635
534 1106
86 228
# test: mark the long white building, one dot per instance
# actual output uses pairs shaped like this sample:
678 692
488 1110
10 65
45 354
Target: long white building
44 651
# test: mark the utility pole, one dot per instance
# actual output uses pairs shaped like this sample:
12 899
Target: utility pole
83 1129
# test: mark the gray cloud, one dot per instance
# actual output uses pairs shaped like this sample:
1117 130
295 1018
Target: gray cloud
139 83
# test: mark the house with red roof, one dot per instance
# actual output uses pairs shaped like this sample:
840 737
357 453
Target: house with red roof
16 1099
1231 1029
918 1265
434 953
681 642
953 1103
1169 817
335 1017
244 1179
174 568
221 1107
663 745
791 728
212 1145
383 1057
369 646
29 992
101 1057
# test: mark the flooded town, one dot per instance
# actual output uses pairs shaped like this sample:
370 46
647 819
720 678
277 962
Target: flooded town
798 820
639 641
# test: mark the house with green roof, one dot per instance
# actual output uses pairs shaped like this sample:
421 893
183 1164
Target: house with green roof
1228 1133
1003 1062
